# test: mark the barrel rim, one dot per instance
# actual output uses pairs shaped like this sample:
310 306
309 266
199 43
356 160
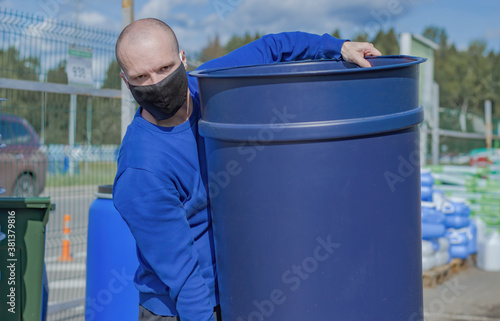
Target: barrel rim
212 72
316 130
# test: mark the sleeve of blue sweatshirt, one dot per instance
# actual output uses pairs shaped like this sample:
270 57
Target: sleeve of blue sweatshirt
158 222
286 46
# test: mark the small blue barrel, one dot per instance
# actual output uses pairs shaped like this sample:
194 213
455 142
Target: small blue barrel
432 230
314 185
457 214
456 221
111 263
426 181
426 193
432 215
459 242
426 178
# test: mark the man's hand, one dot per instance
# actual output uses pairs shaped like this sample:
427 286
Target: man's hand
356 52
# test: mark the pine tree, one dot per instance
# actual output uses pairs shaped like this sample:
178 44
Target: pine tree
212 50
361 37
113 79
336 34
386 43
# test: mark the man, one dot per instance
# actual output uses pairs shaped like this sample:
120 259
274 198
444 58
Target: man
160 186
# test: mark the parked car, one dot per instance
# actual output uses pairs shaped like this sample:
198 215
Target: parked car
23 164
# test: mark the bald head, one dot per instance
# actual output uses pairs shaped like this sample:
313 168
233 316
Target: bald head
141 31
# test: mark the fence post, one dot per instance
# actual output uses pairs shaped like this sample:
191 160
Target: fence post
435 124
72 129
127 100
487 121
89 120
42 120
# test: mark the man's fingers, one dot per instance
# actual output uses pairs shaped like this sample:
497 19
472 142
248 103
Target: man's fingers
362 62
358 59
373 52
356 51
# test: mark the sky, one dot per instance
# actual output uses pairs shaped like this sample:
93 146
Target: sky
195 21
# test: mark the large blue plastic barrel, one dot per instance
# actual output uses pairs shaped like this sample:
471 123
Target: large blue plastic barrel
314 184
111 263
45 295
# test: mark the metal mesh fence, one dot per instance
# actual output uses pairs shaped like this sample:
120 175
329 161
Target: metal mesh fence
55 142
452 119
36 48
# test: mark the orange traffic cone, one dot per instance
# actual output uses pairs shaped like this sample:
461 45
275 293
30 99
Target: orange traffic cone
66 254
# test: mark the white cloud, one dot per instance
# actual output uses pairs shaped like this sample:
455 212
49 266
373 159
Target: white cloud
158 8
92 19
161 8
318 16
198 23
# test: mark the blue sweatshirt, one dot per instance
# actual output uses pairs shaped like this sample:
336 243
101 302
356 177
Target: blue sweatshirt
160 190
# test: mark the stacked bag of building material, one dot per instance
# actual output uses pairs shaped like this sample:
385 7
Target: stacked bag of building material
426 185
428 255
445 225
433 222
488 213
432 219
460 229
442 254
435 246
469 199
480 186
435 252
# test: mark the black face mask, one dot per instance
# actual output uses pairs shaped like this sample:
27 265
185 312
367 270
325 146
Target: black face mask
166 97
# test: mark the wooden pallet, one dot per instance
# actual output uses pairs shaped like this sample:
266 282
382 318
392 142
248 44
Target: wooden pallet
473 259
436 275
458 265
440 274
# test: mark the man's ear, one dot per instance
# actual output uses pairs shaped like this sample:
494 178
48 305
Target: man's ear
182 55
122 75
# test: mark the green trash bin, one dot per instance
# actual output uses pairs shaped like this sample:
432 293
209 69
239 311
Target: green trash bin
22 245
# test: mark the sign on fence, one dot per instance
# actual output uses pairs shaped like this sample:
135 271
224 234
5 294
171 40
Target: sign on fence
79 66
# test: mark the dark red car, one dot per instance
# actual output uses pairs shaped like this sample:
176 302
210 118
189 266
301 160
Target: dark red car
23 164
